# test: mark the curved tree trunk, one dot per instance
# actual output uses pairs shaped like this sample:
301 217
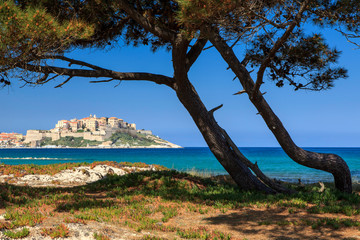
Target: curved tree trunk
327 162
217 143
233 162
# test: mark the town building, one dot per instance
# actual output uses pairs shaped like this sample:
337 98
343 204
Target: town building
74 126
113 122
89 128
11 139
62 124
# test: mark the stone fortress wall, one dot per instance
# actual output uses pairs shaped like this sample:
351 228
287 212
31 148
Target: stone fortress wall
38 135
94 129
102 135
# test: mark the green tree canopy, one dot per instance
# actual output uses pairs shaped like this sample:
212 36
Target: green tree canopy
37 31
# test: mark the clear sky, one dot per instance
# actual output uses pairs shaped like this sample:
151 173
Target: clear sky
318 119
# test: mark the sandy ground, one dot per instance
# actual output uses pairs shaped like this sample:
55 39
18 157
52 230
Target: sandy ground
241 224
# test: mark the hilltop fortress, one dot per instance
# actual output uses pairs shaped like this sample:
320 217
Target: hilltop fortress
89 128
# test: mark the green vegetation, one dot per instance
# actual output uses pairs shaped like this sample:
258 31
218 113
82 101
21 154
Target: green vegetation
24 232
202 233
118 139
51 169
154 201
148 237
23 217
131 139
99 236
334 223
70 142
60 231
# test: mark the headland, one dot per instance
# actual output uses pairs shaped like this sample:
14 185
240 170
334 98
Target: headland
88 132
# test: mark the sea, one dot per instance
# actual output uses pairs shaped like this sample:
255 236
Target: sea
272 161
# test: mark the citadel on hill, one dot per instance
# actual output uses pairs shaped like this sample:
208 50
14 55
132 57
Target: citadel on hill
92 124
101 132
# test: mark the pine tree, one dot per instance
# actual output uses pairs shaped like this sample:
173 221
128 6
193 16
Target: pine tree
35 33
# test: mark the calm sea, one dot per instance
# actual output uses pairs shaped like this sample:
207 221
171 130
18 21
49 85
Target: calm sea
273 161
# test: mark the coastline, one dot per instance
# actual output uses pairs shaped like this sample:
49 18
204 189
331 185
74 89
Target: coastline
273 161
99 147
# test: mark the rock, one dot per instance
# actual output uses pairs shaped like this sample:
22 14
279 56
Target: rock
85 172
111 171
72 177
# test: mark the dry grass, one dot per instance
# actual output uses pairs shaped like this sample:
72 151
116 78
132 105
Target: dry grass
173 205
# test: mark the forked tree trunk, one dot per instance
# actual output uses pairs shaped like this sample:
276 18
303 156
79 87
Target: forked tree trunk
218 145
233 163
331 163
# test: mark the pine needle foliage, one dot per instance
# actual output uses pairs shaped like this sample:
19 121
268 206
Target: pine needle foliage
31 33
34 32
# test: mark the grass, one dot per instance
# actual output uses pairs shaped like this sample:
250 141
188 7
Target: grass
23 216
51 169
24 232
99 236
148 237
334 223
151 200
202 233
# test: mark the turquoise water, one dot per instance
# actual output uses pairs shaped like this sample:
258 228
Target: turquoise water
272 161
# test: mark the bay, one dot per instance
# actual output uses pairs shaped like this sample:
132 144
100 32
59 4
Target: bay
272 161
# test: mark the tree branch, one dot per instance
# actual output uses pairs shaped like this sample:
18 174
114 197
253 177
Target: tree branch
195 52
102 81
214 109
207 48
101 73
277 45
47 79
76 62
348 36
165 34
240 92
282 25
61 84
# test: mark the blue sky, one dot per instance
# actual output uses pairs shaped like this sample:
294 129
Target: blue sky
318 119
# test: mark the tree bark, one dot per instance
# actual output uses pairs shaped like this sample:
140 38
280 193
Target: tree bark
211 131
215 140
331 163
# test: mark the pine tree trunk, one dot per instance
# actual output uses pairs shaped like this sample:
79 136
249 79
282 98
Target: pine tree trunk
213 134
331 163
218 145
